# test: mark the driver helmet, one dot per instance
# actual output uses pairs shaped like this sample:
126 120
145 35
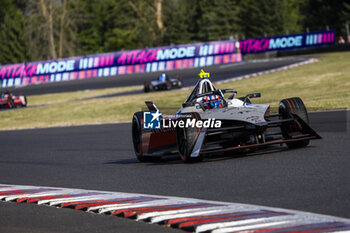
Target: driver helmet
6 94
162 77
212 101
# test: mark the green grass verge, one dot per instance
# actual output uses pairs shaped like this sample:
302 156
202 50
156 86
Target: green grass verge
321 85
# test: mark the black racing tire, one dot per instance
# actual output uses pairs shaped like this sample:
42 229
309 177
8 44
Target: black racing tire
296 106
25 102
137 120
147 87
186 139
12 103
180 82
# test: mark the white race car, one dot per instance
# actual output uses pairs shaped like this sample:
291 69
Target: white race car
224 124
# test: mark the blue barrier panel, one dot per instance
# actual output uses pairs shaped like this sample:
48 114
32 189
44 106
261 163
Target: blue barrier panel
295 41
118 63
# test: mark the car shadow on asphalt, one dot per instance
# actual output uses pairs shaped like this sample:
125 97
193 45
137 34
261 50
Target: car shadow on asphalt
210 158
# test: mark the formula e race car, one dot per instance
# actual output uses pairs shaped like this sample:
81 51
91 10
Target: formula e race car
7 100
163 82
208 122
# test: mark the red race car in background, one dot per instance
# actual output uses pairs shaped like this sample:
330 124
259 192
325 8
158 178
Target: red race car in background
8 100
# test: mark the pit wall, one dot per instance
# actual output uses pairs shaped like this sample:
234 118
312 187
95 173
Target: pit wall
120 63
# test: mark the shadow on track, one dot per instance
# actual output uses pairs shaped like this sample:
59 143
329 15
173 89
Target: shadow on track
210 158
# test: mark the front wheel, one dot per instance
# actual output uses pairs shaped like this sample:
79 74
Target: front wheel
137 120
286 108
186 140
11 103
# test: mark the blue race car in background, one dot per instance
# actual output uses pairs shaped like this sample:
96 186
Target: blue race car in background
163 82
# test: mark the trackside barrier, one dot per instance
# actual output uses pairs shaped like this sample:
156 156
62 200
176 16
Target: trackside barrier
119 63
154 59
295 41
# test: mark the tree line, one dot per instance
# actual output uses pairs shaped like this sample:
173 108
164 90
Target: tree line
49 29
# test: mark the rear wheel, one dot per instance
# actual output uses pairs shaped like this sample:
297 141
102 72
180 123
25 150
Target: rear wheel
180 82
25 102
146 87
186 140
286 108
137 120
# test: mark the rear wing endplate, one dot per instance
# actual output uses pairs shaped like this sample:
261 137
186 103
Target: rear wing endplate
151 106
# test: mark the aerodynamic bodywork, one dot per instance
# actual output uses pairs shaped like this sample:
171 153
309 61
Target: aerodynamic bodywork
8 100
163 82
214 120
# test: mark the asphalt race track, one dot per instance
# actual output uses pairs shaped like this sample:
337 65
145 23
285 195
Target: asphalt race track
190 77
100 157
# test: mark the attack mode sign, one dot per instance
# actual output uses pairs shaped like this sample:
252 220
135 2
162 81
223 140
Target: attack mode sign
33 68
176 53
305 40
286 42
53 67
154 55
